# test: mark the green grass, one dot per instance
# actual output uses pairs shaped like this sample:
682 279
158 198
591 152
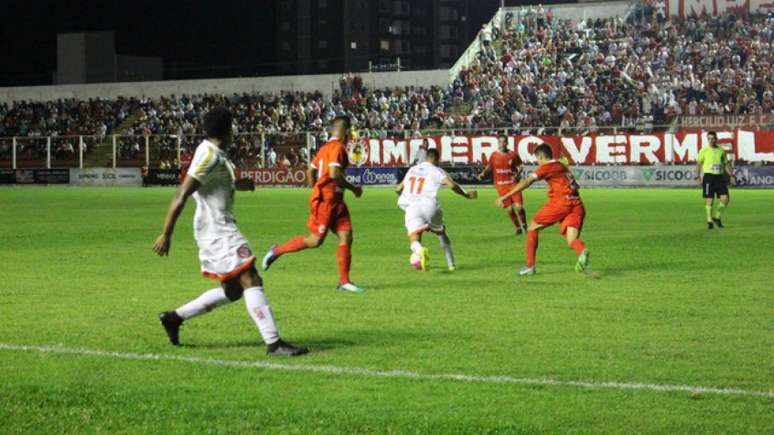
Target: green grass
664 302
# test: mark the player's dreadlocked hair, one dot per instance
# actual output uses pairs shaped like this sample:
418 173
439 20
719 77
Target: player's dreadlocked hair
217 123
544 150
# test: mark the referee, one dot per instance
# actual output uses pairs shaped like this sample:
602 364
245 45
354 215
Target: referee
713 164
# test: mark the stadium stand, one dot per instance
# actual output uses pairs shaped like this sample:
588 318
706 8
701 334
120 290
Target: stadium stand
534 73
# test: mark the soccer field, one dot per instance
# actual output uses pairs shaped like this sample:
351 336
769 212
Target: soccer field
670 331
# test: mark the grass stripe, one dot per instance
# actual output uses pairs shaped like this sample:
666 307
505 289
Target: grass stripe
399 374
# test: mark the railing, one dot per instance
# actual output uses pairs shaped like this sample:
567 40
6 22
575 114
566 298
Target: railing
627 144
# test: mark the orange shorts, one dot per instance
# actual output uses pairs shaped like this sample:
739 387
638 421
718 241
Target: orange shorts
516 198
328 215
568 216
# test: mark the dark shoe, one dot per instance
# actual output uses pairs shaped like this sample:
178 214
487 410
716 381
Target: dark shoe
718 223
281 348
171 322
710 225
269 258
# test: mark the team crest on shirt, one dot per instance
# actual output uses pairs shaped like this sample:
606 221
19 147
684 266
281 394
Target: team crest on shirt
244 252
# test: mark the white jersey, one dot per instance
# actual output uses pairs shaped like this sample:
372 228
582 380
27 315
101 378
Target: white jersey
215 197
421 184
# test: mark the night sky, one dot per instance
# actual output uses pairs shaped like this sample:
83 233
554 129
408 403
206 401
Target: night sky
223 38
195 35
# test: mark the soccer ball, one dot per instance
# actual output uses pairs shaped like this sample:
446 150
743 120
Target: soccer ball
415 261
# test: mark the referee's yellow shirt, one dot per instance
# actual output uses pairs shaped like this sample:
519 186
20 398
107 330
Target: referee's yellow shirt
713 160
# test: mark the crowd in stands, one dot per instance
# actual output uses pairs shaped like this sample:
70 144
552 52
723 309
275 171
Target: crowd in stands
535 73
642 70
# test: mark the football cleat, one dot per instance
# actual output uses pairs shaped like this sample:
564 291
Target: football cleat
269 258
424 259
171 322
583 261
718 223
281 348
525 271
452 268
710 225
349 287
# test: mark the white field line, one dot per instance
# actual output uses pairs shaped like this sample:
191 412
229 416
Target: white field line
399 374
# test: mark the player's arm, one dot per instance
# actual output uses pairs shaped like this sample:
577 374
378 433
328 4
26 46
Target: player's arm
311 175
520 186
338 175
399 188
728 170
456 188
163 241
516 168
484 172
699 163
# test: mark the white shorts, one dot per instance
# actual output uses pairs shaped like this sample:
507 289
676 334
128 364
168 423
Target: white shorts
225 257
423 217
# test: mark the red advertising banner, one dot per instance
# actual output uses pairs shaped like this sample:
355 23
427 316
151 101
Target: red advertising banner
275 176
688 8
603 149
751 122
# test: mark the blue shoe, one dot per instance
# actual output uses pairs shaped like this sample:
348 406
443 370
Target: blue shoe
525 271
269 258
349 287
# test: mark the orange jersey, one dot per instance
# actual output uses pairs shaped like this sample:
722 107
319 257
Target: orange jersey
562 187
502 166
333 153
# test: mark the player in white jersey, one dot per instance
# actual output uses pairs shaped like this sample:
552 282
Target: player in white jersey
224 253
418 198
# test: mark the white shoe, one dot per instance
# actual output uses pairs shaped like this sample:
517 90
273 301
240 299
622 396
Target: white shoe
525 271
349 287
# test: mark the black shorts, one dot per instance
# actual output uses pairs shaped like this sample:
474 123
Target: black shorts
714 185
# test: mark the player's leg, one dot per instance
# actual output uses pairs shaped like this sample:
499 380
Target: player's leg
708 193
250 284
206 302
532 245
344 260
439 228
416 223
446 245
722 204
571 227
517 214
342 224
318 228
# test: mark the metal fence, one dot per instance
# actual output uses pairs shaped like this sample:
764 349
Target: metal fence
372 147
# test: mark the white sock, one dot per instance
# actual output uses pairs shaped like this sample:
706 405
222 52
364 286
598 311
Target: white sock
205 303
416 247
259 309
447 249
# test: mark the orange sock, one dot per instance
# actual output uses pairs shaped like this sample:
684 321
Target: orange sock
532 246
578 246
292 245
344 258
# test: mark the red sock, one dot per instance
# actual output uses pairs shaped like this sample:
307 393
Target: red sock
292 245
578 246
344 258
514 218
532 245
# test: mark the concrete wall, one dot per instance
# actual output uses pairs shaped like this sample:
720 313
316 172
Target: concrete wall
325 83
